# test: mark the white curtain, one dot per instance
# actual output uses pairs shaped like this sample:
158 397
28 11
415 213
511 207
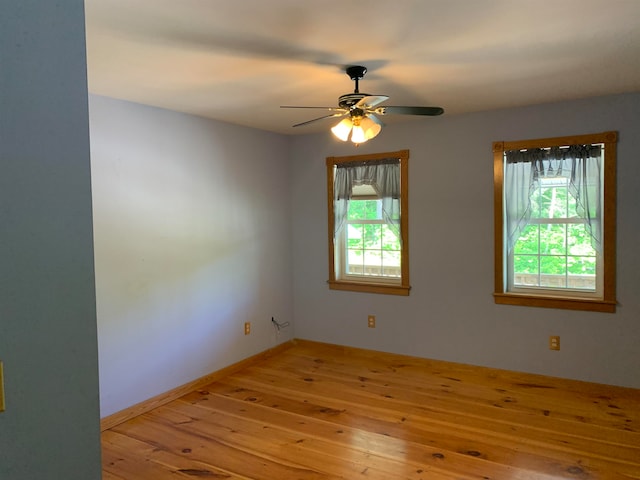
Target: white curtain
581 163
382 175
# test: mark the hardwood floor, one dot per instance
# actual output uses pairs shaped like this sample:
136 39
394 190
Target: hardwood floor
319 411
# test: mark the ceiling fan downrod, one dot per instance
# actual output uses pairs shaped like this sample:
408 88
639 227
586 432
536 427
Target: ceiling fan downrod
348 100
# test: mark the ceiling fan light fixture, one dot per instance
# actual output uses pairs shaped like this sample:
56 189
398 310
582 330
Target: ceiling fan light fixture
343 129
358 135
370 128
358 129
362 108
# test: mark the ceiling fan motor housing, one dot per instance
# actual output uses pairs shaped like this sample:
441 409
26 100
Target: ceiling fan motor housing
348 100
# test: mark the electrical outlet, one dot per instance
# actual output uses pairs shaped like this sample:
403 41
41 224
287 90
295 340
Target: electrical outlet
247 328
371 321
2 406
554 342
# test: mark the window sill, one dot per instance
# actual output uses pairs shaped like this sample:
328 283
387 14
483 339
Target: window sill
606 306
369 287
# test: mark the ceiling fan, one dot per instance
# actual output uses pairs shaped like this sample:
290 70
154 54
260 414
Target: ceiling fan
360 109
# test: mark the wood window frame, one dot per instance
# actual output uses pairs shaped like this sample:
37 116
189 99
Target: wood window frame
394 288
608 301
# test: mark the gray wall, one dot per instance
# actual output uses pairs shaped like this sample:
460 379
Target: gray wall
192 239
450 314
47 301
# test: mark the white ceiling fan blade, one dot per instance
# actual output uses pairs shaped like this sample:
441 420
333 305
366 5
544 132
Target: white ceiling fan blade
371 101
375 119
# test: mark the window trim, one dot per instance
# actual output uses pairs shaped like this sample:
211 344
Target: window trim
608 301
395 288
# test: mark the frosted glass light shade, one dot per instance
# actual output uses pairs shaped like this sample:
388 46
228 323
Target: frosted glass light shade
342 129
357 134
370 128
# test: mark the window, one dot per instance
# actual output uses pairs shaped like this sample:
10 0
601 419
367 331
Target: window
554 210
367 197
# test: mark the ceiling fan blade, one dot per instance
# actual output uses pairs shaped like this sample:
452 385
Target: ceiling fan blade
320 118
331 109
409 111
375 119
371 101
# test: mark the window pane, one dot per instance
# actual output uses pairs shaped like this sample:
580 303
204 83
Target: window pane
354 236
356 209
579 240
553 202
372 262
582 272
528 241
355 261
372 211
545 201
391 259
553 270
581 265
390 240
559 202
553 239
553 265
525 264
525 270
372 236
364 209
391 264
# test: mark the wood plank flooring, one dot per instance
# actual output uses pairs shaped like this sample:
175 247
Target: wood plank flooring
320 411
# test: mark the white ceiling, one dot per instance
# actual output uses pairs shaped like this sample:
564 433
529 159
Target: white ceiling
239 60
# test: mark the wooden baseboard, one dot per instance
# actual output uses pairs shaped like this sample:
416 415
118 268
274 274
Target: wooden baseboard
164 398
